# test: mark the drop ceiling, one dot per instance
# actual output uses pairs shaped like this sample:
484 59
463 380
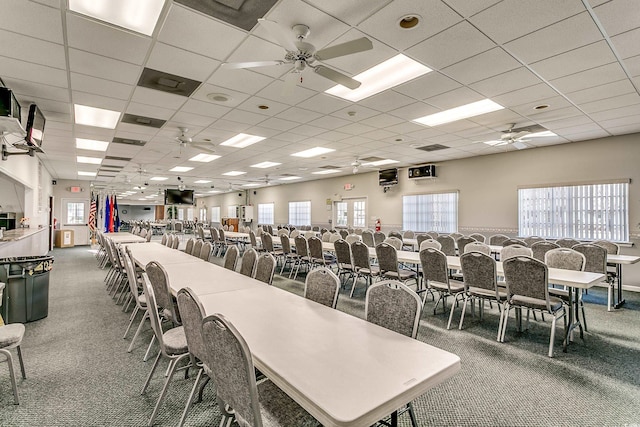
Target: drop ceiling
581 58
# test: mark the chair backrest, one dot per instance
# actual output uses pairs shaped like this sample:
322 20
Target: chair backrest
479 237
514 250
479 271
497 239
315 228
334 236
528 277
267 242
513 241
323 230
229 357
433 234
302 247
565 258
192 316
196 248
343 253
394 241
131 276
189 247
360 253
477 247
326 236
285 243
456 235
160 282
395 234
539 249
394 306
358 231
343 233
447 245
143 233
462 242
367 238
567 242
353 238
612 248
152 308
315 248
430 243
434 265
169 241
421 238
149 235
533 239
310 233
164 239
175 243
214 234
378 237
387 257
283 231
409 234
232 227
248 262
205 251
322 286
231 258
265 267
596 257
178 227
293 234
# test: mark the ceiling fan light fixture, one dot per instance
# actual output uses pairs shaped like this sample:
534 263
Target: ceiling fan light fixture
409 22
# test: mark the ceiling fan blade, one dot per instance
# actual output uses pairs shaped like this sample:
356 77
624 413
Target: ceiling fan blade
336 76
236 65
282 36
354 46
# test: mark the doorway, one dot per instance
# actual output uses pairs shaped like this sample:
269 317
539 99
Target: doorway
74 215
350 213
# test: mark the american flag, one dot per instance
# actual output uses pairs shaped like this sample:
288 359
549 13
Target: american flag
92 214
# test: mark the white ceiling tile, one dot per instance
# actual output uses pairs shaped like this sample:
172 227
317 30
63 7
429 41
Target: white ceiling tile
307 130
279 124
387 101
147 110
355 113
197 33
32 19
499 119
450 46
616 16
276 91
584 136
241 80
192 119
231 126
84 83
180 62
204 108
469 8
610 103
17 69
235 98
633 65
103 67
482 66
411 127
552 114
571 122
608 90
582 58
356 129
323 103
506 82
98 101
291 137
589 78
144 95
630 110
454 98
509 20
526 95
253 105
428 85
623 130
574 32
620 121
32 50
334 136
244 117
144 131
627 43
351 12
378 134
554 103
256 49
329 122
413 111
105 40
299 115
27 88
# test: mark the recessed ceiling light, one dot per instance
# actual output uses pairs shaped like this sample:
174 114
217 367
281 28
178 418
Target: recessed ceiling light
138 16
390 73
326 171
204 158
380 162
408 22
158 178
98 117
180 169
251 184
219 97
312 152
90 160
83 173
265 165
91 144
541 107
242 140
234 173
459 113
289 178
263 107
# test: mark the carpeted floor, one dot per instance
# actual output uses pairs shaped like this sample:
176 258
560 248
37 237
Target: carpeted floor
79 373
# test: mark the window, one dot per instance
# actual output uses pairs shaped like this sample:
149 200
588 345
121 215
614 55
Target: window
75 213
359 214
232 211
215 214
203 215
190 216
593 211
430 212
300 213
181 214
341 214
265 213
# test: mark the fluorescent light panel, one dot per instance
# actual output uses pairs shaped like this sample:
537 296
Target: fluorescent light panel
380 162
459 113
289 178
140 16
234 173
390 73
242 140
545 133
89 160
98 117
312 152
326 171
204 158
213 191
202 181
251 184
83 173
158 178
91 144
265 165
180 169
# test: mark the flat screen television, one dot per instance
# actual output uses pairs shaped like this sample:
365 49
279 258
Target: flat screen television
9 106
35 127
173 196
388 177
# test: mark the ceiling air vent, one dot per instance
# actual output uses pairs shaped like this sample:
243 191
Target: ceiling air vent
165 82
240 13
370 159
129 141
433 147
142 121
122 159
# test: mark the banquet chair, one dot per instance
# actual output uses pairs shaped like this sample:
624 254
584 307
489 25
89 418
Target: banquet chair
322 286
430 243
231 258
422 237
533 239
288 256
189 246
514 241
497 239
395 234
436 275
596 262
304 257
163 241
612 274
318 256
237 392
395 242
334 236
433 234
205 251
148 236
326 236
393 306
539 249
566 259
528 283
567 242
352 238
513 251
196 248
362 264
378 237
11 336
138 297
176 242
343 234
388 262
344 260
447 245
456 235
265 268
248 262
479 237
143 233
462 242
292 234
477 247
367 238
408 234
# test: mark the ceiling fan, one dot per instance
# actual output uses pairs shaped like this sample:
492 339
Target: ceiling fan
185 141
301 54
515 137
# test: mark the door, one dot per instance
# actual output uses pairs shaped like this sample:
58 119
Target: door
350 213
75 215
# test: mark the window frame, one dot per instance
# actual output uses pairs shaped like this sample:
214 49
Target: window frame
262 216
296 204
212 210
444 222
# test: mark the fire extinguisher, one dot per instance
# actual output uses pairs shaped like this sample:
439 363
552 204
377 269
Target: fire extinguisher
55 223
378 225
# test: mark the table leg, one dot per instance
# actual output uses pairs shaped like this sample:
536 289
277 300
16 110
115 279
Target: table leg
621 301
574 321
394 419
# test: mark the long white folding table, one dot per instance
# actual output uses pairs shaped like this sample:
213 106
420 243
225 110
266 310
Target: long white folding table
619 261
304 347
124 237
143 253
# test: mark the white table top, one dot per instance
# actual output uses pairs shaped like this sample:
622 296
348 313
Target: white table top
125 237
302 347
236 235
623 259
143 253
205 278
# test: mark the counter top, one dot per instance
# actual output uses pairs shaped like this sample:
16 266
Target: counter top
19 234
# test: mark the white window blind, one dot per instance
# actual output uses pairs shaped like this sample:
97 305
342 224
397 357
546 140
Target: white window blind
203 215
359 214
190 214
300 213
265 213
341 214
215 214
232 211
181 214
584 212
430 212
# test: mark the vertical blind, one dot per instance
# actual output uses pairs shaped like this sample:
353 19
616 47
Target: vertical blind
341 214
430 212
232 211
300 213
359 214
265 213
594 211
215 214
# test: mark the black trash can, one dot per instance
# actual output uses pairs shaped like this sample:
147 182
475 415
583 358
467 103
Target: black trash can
26 295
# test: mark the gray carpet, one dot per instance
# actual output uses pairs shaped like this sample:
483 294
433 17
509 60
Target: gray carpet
79 373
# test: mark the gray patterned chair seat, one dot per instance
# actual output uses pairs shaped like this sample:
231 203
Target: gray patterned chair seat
373 270
489 293
402 274
11 334
535 303
175 341
278 409
454 285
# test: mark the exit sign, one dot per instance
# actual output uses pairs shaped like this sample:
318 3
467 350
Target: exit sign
75 189
349 187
